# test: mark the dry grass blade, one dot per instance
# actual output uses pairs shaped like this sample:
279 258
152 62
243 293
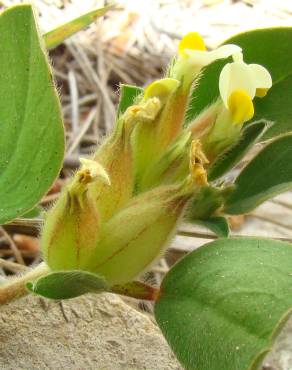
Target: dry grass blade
87 99
25 226
37 223
271 221
205 235
49 199
13 246
12 266
282 203
85 126
92 76
74 99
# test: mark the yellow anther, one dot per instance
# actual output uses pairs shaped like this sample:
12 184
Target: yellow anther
192 41
261 92
241 106
197 161
197 154
199 175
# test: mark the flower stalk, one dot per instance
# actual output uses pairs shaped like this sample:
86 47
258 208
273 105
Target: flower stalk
15 287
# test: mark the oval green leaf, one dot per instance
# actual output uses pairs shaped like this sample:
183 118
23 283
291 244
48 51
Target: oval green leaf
222 305
31 129
268 174
67 284
206 90
218 225
277 107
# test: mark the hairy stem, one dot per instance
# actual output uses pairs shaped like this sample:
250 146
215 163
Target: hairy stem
15 287
138 290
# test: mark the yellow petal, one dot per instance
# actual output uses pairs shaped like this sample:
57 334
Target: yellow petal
261 92
240 106
191 41
161 88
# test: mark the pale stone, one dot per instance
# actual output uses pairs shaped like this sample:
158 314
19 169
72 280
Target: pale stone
98 332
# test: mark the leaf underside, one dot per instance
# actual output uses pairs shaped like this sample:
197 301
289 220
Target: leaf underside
67 284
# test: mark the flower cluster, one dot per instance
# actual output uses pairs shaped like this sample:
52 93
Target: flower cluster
219 125
121 208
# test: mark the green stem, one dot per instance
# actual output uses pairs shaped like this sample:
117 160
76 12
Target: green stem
15 287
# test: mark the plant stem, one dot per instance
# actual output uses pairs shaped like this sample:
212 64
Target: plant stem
15 287
138 290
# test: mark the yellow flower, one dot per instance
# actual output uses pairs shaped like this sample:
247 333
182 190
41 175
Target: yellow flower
192 47
193 56
239 83
220 124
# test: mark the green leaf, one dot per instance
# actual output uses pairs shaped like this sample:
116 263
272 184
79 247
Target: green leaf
268 174
219 225
58 35
277 107
222 305
250 136
67 284
128 96
31 130
258 47
34 212
206 89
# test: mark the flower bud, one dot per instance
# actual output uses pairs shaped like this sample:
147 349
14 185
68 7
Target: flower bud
205 120
74 236
239 83
171 167
72 226
222 134
115 155
148 136
139 234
